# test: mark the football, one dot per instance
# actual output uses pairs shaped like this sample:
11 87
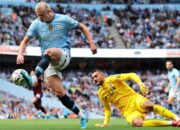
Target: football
17 78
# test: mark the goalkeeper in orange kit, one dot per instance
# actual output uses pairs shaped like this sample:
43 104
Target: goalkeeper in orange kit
132 105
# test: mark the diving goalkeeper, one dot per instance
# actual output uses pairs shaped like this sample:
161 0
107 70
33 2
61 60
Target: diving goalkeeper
132 105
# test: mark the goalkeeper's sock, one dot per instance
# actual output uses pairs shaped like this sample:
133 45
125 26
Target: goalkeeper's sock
156 123
69 103
164 112
42 65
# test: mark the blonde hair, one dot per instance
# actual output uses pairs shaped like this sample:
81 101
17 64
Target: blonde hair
42 6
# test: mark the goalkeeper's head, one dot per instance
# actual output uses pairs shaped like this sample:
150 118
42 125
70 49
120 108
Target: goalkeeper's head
98 77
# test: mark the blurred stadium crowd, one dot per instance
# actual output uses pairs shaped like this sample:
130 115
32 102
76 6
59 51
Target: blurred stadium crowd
105 1
146 28
138 28
12 107
80 87
14 26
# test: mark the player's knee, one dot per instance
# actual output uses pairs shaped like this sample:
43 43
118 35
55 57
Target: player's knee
49 52
60 93
148 105
54 53
137 122
34 100
38 96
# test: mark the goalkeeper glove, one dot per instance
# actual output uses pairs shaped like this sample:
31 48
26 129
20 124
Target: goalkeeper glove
144 90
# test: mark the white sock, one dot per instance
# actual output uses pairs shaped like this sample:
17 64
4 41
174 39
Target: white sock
81 115
170 122
34 79
177 119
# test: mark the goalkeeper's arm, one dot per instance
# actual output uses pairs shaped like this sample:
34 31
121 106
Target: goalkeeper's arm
133 76
107 114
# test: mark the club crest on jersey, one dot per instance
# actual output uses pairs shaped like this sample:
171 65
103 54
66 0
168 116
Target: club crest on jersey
50 27
110 85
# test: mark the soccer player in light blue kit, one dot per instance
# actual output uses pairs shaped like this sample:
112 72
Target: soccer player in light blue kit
174 83
51 29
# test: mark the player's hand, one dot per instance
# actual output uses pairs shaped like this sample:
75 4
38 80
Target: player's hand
101 125
20 59
93 48
144 90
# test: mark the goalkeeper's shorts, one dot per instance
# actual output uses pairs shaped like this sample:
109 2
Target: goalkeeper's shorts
135 108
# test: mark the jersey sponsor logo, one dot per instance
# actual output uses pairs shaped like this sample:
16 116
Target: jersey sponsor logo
52 36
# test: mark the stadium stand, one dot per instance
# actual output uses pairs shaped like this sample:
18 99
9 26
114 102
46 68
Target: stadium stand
80 87
109 1
148 28
16 19
78 90
139 26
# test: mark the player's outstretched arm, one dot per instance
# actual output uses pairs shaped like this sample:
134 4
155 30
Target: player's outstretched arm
87 33
22 48
107 115
134 77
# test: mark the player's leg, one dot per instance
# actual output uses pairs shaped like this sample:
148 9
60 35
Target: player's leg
156 122
170 99
149 106
57 87
134 117
137 119
164 112
37 103
41 107
144 105
52 55
54 80
140 122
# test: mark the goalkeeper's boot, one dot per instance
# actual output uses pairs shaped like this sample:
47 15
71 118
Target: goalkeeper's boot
83 122
178 124
27 79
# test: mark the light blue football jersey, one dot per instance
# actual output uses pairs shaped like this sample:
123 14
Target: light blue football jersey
172 76
53 34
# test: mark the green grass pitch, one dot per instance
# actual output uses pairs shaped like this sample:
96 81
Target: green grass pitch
69 124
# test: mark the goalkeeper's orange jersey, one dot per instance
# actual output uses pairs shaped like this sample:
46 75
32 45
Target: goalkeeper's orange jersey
116 91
